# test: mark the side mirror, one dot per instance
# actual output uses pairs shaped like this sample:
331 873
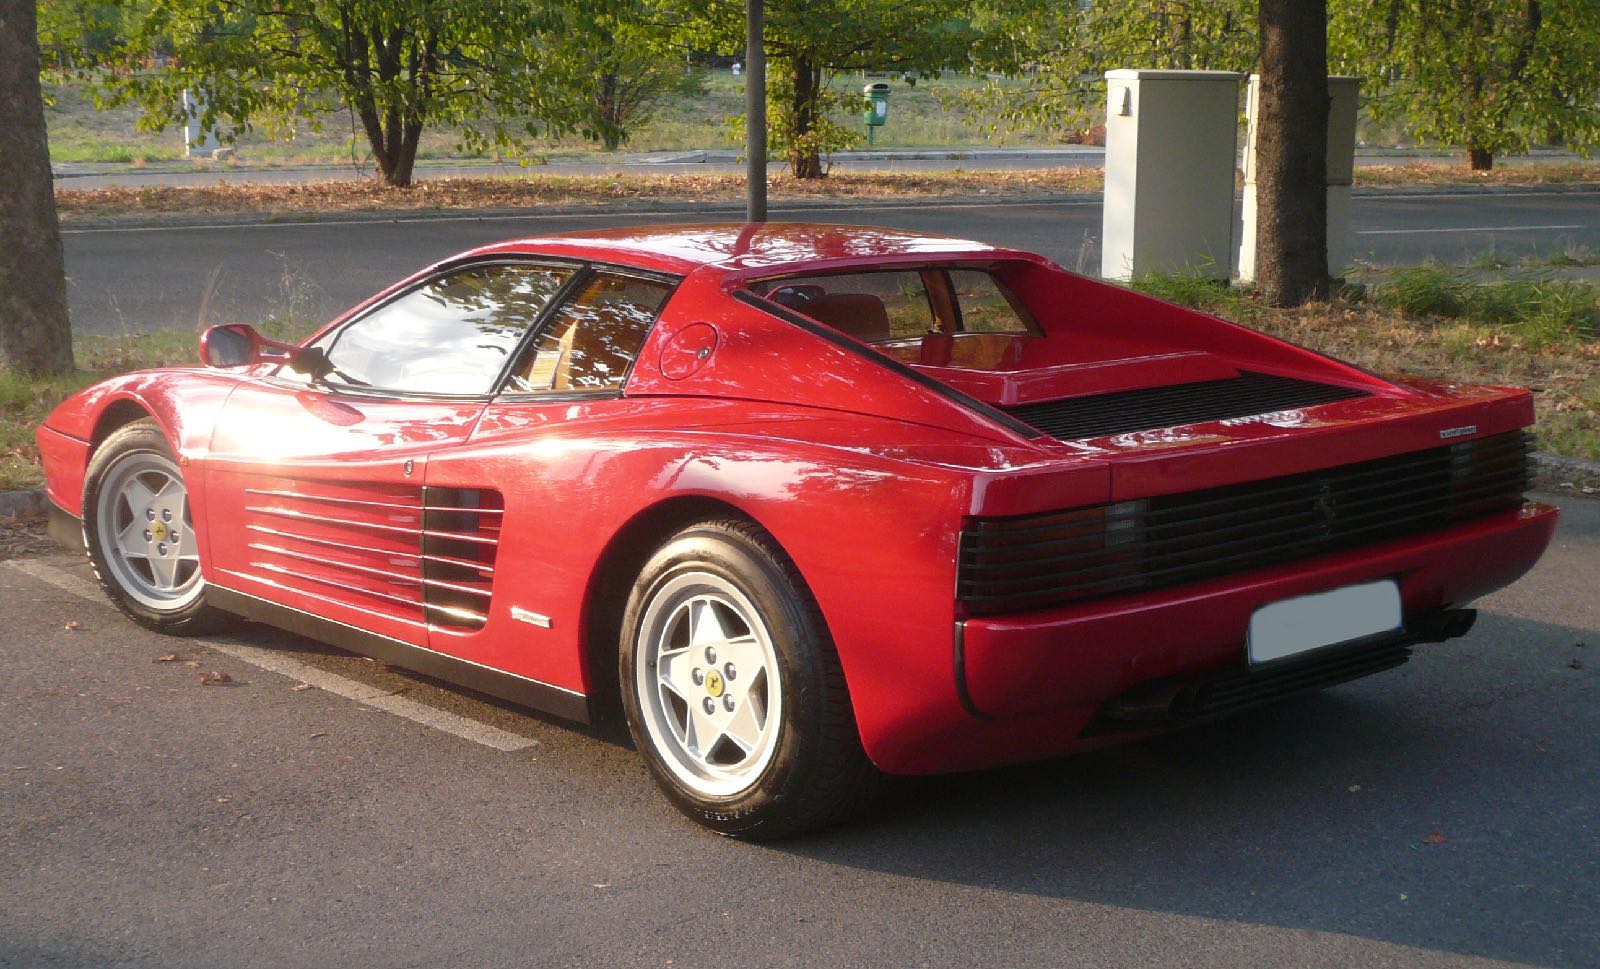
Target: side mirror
230 345
239 345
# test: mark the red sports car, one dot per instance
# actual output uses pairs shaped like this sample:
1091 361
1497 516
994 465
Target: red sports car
804 504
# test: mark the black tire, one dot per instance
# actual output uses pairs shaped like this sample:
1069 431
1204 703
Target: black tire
809 770
133 457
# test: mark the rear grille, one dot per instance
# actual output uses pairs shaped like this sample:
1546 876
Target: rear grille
1040 561
1246 395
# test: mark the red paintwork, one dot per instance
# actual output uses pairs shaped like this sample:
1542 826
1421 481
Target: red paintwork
863 476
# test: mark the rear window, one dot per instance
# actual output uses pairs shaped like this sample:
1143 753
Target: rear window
906 304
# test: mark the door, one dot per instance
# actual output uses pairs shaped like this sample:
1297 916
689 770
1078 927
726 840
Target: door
317 483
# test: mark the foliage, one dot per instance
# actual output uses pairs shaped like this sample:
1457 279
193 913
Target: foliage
809 41
479 66
1491 75
1064 49
78 33
624 64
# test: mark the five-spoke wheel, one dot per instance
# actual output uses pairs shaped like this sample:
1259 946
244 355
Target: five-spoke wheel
140 532
710 685
733 691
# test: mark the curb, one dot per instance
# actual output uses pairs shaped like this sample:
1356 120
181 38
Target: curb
1573 475
23 504
1550 471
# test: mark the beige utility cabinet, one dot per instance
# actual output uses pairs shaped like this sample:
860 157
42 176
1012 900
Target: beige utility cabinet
1171 152
1343 100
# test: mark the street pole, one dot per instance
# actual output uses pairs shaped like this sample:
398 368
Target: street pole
755 113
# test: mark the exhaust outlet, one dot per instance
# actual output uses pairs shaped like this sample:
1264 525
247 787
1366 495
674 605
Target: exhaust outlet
1436 627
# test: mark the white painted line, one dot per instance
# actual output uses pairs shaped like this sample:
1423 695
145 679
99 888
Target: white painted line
274 661
65 581
1475 228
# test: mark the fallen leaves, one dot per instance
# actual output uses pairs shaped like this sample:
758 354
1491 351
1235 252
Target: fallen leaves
168 658
72 625
1435 838
300 686
215 678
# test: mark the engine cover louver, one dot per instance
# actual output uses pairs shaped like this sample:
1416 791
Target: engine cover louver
423 556
1147 409
1040 561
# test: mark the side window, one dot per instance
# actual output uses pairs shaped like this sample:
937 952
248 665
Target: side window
985 307
452 335
868 306
592 338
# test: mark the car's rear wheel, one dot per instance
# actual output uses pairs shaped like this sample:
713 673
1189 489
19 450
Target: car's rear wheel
733 691
140 533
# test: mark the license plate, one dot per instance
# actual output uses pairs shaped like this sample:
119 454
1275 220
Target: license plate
1292 626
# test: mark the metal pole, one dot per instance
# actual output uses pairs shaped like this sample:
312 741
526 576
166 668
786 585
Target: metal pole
755 113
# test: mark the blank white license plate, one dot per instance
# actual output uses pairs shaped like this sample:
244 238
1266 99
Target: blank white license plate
1304 623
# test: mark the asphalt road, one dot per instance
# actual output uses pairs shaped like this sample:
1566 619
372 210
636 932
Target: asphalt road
125 279
1443 814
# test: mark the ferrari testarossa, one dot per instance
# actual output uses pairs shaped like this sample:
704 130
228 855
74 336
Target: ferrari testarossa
804 504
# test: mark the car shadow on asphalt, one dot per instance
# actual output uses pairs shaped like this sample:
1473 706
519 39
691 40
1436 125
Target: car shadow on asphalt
1448 805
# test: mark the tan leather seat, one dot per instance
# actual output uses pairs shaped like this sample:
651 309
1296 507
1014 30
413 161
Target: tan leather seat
860 315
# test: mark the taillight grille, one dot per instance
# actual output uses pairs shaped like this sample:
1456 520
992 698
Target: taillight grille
1039 561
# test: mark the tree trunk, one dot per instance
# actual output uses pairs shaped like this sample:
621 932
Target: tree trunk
804 159
1292 153
35 334
610 111
1480 159
393 143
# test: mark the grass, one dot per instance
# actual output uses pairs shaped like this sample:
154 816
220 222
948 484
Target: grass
1434 321
918 118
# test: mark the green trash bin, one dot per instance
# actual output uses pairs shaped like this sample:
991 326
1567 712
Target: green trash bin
875 112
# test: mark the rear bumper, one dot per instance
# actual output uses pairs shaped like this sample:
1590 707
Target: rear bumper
1072 661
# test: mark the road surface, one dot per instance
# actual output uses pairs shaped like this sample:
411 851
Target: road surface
1443 814
131 279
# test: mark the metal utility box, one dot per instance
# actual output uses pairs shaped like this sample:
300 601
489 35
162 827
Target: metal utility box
1171 152
1344 97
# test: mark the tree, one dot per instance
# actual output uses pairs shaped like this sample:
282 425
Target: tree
1489 75
1061 52
809 42
1292 153
624 64
478 66
35 334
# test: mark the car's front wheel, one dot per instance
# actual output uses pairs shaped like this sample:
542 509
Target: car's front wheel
733 691
140 533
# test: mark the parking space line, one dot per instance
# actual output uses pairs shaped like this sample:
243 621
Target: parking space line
1470 228
274 661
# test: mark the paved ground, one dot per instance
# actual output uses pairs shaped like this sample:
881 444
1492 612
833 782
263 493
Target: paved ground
1443 814
133 279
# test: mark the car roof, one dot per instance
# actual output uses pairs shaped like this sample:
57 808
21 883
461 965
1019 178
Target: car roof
748 248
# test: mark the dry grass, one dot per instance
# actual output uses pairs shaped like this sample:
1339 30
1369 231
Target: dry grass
532 190
1523 173
526 191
